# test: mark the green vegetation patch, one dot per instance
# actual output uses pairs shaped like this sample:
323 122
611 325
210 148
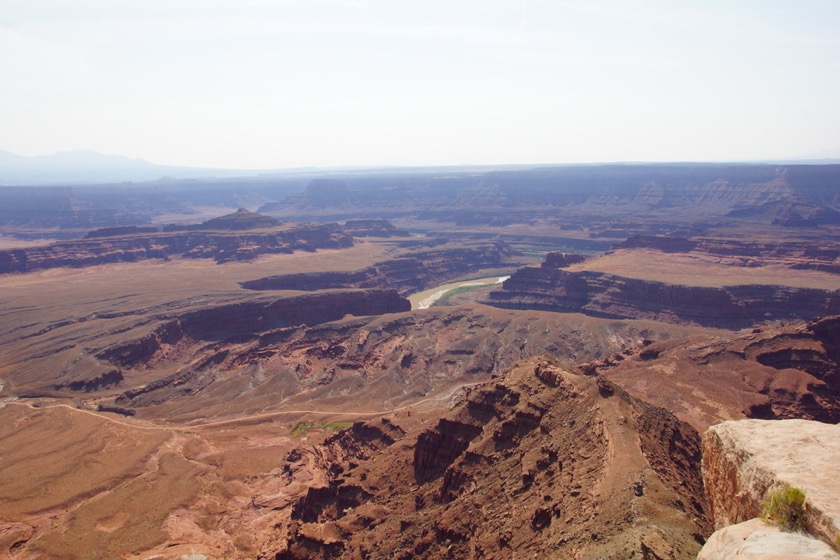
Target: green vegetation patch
785 507
300 429
444 299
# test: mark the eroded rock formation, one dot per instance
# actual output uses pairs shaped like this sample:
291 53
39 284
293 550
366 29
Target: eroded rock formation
699 190
360 363
220 246
232 324
744 460
783 372
607 295
540 462
418 271
792 254
557 259
240 220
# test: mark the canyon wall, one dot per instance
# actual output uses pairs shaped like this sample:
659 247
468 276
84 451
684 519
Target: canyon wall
793 254
220 246
418 271
249 319
700 190
744 460
606 295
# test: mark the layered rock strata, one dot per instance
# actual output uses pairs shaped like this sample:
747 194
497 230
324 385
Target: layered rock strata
250 319
615 190
540 462
607 295
790 371
793 254
240 220
364 363
744 460
220 246
415 272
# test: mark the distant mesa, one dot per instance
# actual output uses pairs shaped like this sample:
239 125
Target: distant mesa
799 213
421 270
373 228
190 242
326 189
123 230
605 295
659 242
557 259
240 220
695 191
320 195
326 193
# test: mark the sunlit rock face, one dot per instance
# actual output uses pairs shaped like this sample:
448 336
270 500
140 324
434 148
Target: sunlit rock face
743 460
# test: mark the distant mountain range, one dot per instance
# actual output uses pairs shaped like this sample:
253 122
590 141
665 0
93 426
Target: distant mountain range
89 167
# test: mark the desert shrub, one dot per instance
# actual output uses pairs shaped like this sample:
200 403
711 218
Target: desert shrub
300 429
786 507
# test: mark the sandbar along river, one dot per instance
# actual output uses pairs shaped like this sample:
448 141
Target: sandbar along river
424 299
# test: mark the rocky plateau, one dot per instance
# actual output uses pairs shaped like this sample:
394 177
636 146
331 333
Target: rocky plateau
422 269
141 245
182 380
551 288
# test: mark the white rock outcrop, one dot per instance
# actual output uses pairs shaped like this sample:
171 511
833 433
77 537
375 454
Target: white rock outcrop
743 459
756 540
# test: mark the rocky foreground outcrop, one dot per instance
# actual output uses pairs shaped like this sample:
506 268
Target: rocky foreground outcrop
607 295
540 462
744 460
758 540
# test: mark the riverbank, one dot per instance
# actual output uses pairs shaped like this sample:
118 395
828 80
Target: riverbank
427 298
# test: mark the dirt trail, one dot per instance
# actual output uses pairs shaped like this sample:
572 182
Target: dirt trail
140 425
266 415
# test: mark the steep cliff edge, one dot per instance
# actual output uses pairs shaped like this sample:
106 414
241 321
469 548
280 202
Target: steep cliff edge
685 189
222 246
607 295
417 271
800 255
758 540
540 462
744 460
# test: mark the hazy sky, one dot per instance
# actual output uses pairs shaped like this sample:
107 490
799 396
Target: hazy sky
284 83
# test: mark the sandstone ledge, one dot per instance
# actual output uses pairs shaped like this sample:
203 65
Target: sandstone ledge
756 540
743 459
